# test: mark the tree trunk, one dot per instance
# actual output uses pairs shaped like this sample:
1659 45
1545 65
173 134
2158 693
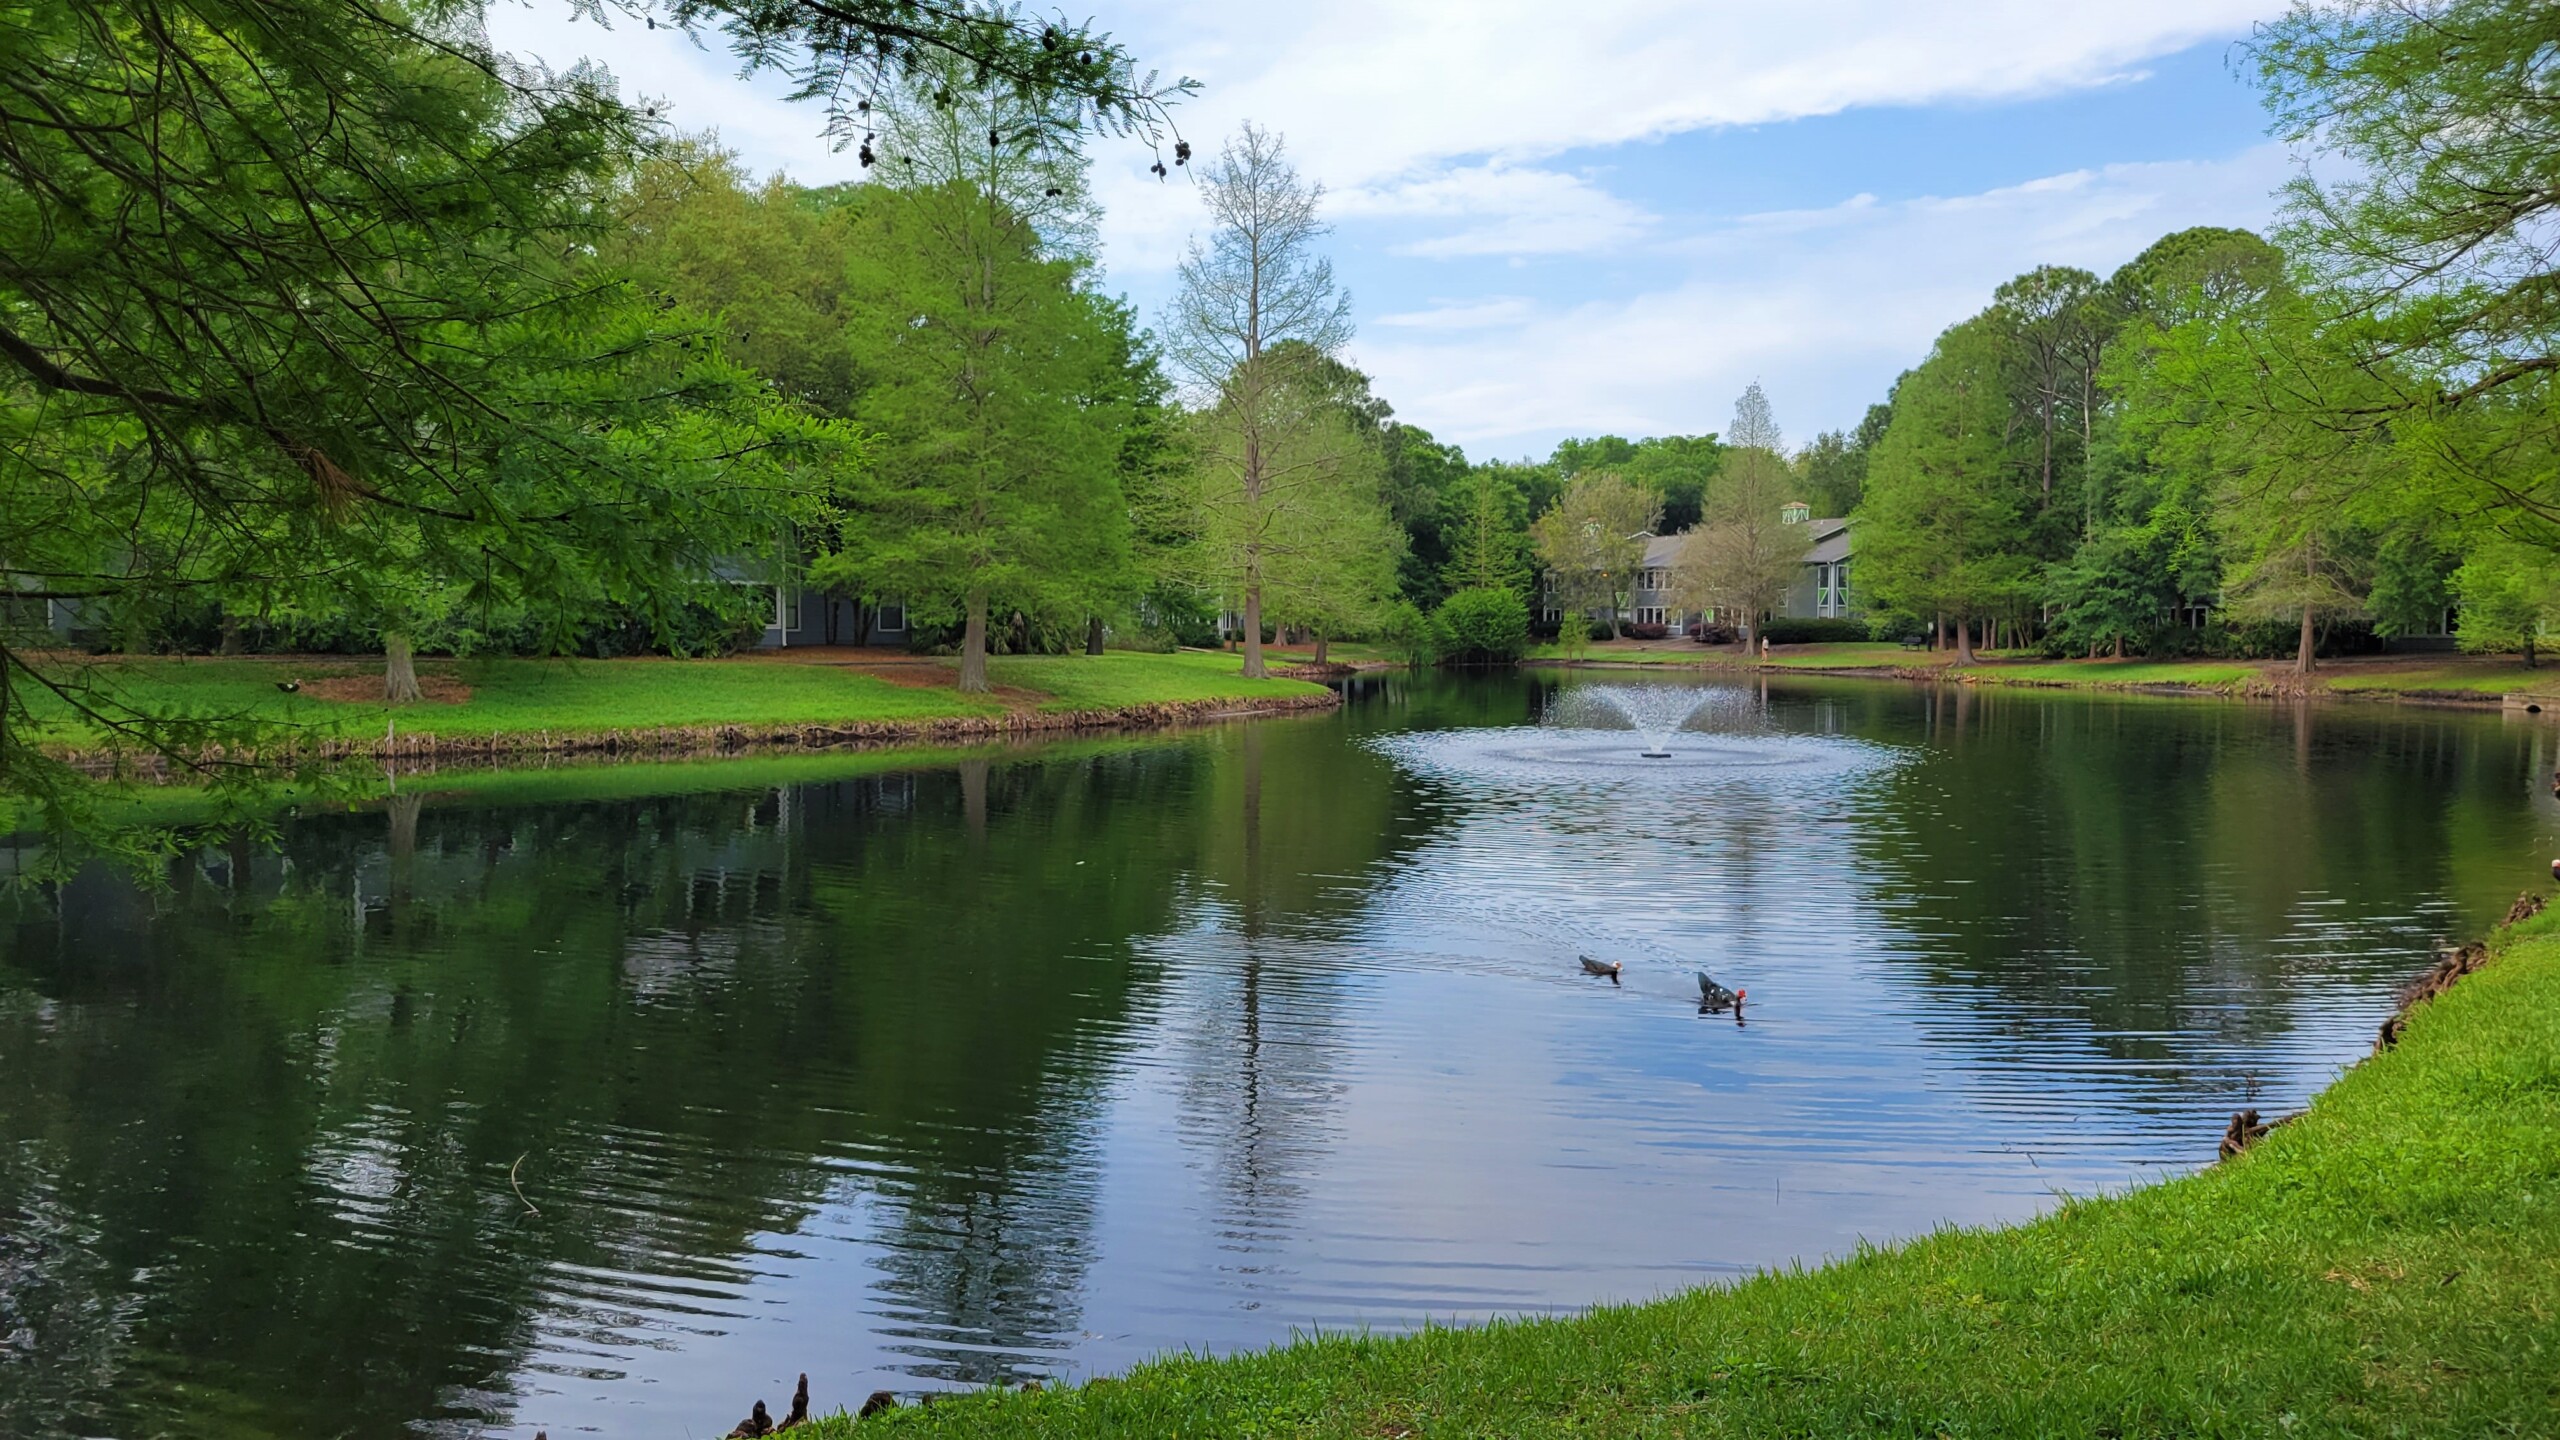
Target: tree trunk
2302 657
2119 646
230 633
1321 644
399 671
1938 631
2528 652
973 646
1964 640
1254 668
1093 635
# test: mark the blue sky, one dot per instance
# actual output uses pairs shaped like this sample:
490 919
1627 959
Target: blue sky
1616 226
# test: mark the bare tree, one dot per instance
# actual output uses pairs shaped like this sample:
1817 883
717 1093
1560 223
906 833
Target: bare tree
1258 307
1743 555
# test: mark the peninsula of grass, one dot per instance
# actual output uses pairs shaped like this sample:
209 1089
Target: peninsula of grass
2387 1265
339 699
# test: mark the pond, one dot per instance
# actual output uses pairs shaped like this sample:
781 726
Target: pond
607 1100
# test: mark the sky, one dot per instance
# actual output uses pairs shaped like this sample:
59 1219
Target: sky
1614 225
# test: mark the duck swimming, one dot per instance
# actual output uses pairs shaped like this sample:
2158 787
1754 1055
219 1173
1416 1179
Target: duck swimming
1596 967
1715 997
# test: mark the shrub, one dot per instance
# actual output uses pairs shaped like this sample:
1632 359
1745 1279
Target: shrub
1712 632
1647 630
1482 626
1789 631
1404 629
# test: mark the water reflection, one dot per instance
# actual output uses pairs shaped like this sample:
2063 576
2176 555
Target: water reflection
482 1113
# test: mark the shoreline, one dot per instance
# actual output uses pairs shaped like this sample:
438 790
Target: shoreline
736 739
2381 1263
2261 687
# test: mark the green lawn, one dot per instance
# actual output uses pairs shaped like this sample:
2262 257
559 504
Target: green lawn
508 697
2389 1265
2201 673
2494 678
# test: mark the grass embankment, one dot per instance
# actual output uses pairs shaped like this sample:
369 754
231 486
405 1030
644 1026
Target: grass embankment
2389 1264
559 702
2480 679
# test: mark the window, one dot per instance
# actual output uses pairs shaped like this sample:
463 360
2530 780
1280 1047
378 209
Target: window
786 608
890 618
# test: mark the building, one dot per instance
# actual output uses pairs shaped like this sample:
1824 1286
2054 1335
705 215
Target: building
802 616
1821 590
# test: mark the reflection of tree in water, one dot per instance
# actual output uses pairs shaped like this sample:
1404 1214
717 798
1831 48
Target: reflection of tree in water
1294 826
296 1085
2137 876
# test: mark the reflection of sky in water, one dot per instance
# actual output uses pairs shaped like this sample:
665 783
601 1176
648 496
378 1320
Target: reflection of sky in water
1280 1082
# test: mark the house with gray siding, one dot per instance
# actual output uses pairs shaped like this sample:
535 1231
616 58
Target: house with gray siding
1821 589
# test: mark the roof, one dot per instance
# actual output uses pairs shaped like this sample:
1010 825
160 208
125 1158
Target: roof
1830 543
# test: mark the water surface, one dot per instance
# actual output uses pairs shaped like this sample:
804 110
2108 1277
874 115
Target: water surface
606 1103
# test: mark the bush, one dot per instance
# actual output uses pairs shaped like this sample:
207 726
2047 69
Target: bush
1647 630
1788 631
1712 632
1404 629
1483 626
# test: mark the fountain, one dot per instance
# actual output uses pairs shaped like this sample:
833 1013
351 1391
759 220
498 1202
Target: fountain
1654 710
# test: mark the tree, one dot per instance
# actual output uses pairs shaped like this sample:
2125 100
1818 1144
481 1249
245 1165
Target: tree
2245 395
1940 531
1423 477
994 375
1680 469
2429 226
1592 542
1743 554
2510 597
303 301
1315 532
2057 332
1485 532
766 260
1257 315
1830 473
1483 625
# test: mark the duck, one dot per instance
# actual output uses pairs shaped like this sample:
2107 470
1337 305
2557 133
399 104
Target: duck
759 1422
799 1405
1609 968
290 686
1715 996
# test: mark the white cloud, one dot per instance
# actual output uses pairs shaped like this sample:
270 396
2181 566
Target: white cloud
1825 320
1505 209
1380 97
1436 124
1463 314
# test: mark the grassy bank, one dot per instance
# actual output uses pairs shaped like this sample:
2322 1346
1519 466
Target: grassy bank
2387 1265
2482 679
339 700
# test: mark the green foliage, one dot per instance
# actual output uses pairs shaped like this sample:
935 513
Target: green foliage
1407 632
301 313
1483 524
998 382
1487 625
2510 594
1944 525
1592 542
1812 630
